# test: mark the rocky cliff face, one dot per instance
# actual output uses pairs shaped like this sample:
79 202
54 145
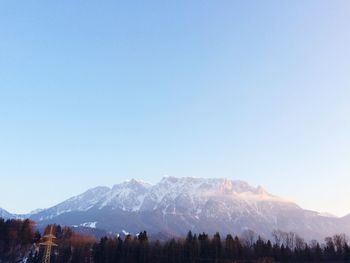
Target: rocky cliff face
175 205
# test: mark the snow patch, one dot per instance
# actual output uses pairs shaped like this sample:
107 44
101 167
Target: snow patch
89 224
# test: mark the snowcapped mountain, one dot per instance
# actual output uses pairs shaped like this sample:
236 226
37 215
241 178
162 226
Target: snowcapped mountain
170 196
176 205
4 214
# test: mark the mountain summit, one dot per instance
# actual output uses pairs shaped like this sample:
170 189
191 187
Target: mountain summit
175 205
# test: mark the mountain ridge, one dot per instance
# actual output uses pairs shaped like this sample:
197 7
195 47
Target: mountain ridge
175 205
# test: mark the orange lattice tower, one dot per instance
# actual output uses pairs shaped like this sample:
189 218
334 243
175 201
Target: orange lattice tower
48 244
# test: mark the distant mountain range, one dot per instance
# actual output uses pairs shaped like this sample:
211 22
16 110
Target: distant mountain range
175 205
5 214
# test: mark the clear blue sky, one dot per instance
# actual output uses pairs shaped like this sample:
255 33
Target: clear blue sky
93 93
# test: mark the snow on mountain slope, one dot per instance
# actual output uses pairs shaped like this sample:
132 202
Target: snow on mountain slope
190 198
175 205
184 193
127 196
180 195
4 214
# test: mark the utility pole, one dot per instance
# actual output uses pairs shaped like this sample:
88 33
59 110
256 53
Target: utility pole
48 244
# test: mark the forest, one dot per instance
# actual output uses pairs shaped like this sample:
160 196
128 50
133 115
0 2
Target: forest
20 242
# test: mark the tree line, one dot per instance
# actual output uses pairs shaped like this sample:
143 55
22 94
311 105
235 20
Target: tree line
20 242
